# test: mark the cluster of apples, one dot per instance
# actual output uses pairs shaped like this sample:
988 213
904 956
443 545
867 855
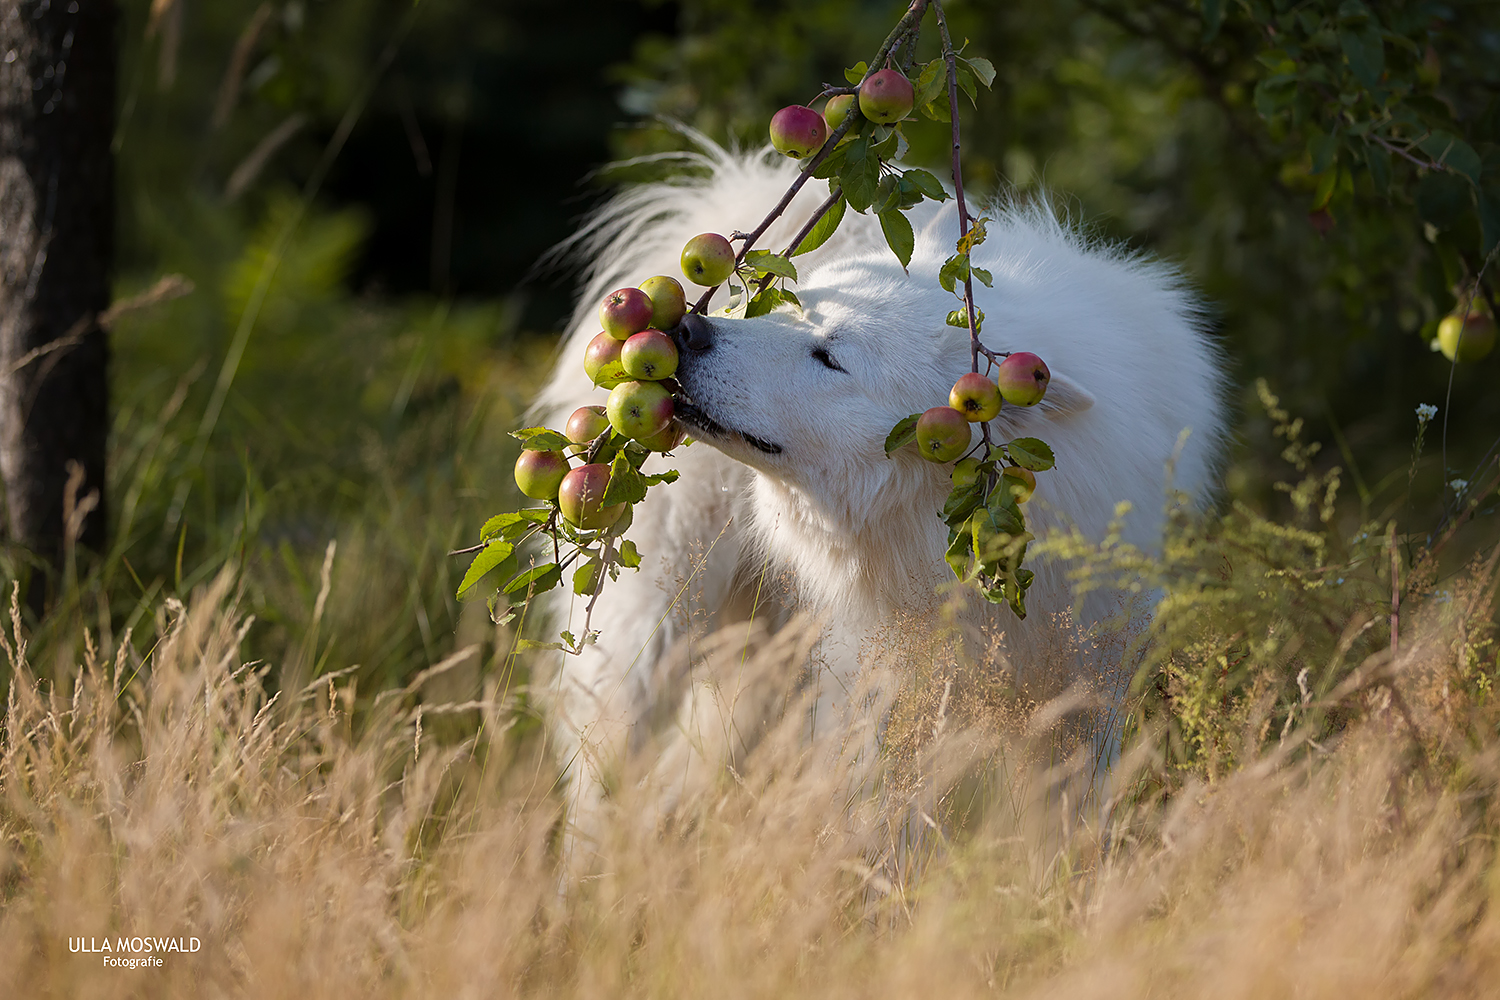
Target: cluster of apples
632 356
885 98
944 434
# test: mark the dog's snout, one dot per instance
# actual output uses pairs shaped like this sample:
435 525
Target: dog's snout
694 333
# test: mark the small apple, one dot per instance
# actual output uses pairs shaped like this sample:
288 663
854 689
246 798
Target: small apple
966 472
585 424
1022 482
1466 340
668 302
886 96
581 495
798 131
837 109
1023 379
942 434
649 355
625 311
672 437
539 473
976 397
707 259
601 359
639 409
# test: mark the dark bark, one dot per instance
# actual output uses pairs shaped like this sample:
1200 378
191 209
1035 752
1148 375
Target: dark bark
57 107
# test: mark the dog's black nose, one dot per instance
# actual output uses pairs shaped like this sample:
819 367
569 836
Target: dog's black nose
694 333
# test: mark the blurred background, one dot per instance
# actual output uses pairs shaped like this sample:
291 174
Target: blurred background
409 165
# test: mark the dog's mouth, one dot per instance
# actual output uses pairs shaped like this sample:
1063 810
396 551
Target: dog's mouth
688 412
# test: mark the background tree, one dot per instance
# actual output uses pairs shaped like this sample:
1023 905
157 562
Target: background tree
57 112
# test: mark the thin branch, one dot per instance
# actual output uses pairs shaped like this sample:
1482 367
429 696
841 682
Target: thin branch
950 57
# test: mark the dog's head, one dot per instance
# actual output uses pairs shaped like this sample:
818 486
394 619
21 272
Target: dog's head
808 397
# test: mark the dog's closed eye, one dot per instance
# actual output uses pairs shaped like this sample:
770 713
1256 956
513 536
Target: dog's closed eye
826 360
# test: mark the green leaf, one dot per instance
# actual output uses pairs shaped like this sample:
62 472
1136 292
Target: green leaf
825 227
766 262
485 560
514 525
538 579
788 296
1213 17
670 476
899 235
904 433
985 278
763 302
856 73
983 69
1365 51
937 109
927 183
931 81
1454 152
585 578
628 554
954 270
962 502
832 164
1031 453
957 556
975 236
860 175
966 83
626 484
888 193
958 318
1323 149
540 439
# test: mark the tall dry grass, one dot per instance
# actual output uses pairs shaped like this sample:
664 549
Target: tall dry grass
319 851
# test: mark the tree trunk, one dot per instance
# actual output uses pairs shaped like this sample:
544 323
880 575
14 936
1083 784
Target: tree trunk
57 112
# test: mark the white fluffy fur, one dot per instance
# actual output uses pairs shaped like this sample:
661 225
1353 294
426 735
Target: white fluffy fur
858 532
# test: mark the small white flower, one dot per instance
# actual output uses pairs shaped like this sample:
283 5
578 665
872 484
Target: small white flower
1425 412
1459 485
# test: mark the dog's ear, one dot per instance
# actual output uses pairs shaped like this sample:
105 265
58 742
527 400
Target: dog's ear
1065 398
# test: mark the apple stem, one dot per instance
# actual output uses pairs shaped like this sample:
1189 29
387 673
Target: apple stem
909 22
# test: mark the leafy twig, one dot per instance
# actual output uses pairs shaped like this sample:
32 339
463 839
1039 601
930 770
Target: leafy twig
908 22
950 57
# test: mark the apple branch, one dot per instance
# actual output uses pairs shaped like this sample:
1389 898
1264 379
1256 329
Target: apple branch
950 58
910 22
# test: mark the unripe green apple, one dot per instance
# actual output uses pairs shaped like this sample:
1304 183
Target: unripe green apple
667 440
966 472
649 355
886 96
668 301
601 359
1477 340
1022 482
837 109
798 131
707 259
581 496
976 397
585 424
539 473
942 434
639 409
625 311
1023 379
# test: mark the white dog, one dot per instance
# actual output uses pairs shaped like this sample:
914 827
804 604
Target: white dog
788 477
